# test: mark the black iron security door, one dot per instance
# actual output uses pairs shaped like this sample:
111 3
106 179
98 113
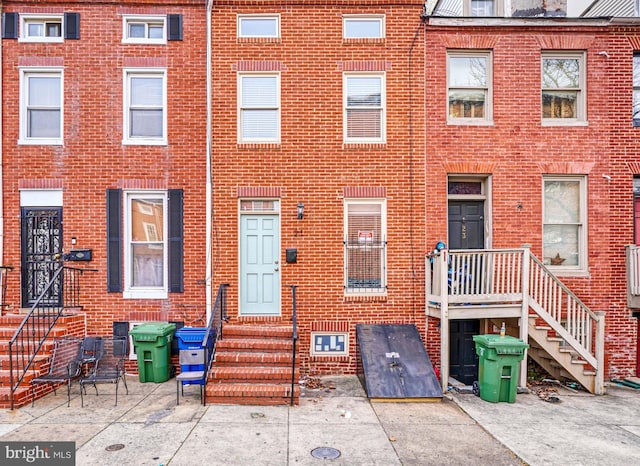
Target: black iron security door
41 248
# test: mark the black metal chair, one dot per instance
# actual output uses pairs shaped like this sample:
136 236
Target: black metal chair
92 348
108 368
65 366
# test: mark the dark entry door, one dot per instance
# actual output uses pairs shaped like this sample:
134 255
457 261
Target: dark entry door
466 231
41 230
463 359
466 224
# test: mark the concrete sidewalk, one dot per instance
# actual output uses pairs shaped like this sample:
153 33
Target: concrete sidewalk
147 428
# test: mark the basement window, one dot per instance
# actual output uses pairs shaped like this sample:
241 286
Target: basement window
329 344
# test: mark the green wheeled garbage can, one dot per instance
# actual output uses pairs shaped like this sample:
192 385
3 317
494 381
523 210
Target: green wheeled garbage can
499 366
152 341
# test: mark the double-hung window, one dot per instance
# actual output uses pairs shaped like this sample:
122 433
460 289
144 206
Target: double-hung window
563 88
564 222
365 246
258 26
41 112
364 107
363 26
469 87
144 29
145 247
259 108
145 104
483 7
636 89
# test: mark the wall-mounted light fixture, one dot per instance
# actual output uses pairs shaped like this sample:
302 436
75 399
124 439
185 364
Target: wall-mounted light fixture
300 210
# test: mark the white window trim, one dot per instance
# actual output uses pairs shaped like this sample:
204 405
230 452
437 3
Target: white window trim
275 17
245 140
383 115
139 292
488 110
317 353
24 139
126 19
143 141
26 18
354 18
498 8
581 119
583 267
383 227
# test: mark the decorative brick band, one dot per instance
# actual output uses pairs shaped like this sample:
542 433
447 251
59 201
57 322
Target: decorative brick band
470 42
341 326
365 65
568 42
355 192
148 316
40 184
145 62
257 191
258 65
573 168
40 61
470 167
143 184
148 10
42 11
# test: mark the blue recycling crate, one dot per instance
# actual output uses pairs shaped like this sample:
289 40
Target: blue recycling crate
192 338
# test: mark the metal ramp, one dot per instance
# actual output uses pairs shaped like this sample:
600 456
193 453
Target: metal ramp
395 364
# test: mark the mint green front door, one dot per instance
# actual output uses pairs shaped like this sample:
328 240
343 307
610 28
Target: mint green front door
260 264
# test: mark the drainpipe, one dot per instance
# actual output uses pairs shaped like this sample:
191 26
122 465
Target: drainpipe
1 161
209 189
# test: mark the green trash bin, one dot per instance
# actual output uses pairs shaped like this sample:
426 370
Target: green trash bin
499 366
152 341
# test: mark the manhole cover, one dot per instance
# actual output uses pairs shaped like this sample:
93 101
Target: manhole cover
325 453
115 447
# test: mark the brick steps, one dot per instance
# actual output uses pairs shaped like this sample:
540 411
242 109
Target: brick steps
21 397
253 366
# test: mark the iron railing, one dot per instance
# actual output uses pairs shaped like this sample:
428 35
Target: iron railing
37 324
294 336
218 316
4 272
365 266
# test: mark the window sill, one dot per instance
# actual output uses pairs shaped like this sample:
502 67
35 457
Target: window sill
562 272
40 142
144 142
48 40
145 42
469 122
568 122
145 294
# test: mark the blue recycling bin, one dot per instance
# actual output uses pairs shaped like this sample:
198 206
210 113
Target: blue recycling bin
192 338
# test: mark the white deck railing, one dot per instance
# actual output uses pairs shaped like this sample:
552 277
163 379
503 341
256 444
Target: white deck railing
515 276
633 275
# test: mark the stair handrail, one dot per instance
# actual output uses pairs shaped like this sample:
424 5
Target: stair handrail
37 324
550 298
216 319
4 272
294 337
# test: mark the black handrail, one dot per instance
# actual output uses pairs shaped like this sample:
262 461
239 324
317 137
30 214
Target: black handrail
37 324
294 319
218 316
4 272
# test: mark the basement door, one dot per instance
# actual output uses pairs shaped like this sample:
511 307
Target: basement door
466 231
41 239
259 264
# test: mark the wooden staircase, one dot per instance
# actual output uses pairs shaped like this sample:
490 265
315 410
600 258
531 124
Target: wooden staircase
558 359
253 366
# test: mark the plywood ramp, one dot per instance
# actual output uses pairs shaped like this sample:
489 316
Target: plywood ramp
395 365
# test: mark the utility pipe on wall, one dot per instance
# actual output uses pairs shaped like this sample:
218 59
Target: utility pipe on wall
209 188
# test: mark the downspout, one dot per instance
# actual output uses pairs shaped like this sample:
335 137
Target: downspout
209 188
1 153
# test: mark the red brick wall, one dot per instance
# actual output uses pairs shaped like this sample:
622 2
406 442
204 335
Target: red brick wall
93 158
517 150
311 165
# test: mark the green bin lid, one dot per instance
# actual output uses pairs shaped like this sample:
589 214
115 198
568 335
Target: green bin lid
502 345
152 330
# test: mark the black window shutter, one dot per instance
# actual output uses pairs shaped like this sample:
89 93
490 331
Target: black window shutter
174 27
114 240
176 241
72 25
9 25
